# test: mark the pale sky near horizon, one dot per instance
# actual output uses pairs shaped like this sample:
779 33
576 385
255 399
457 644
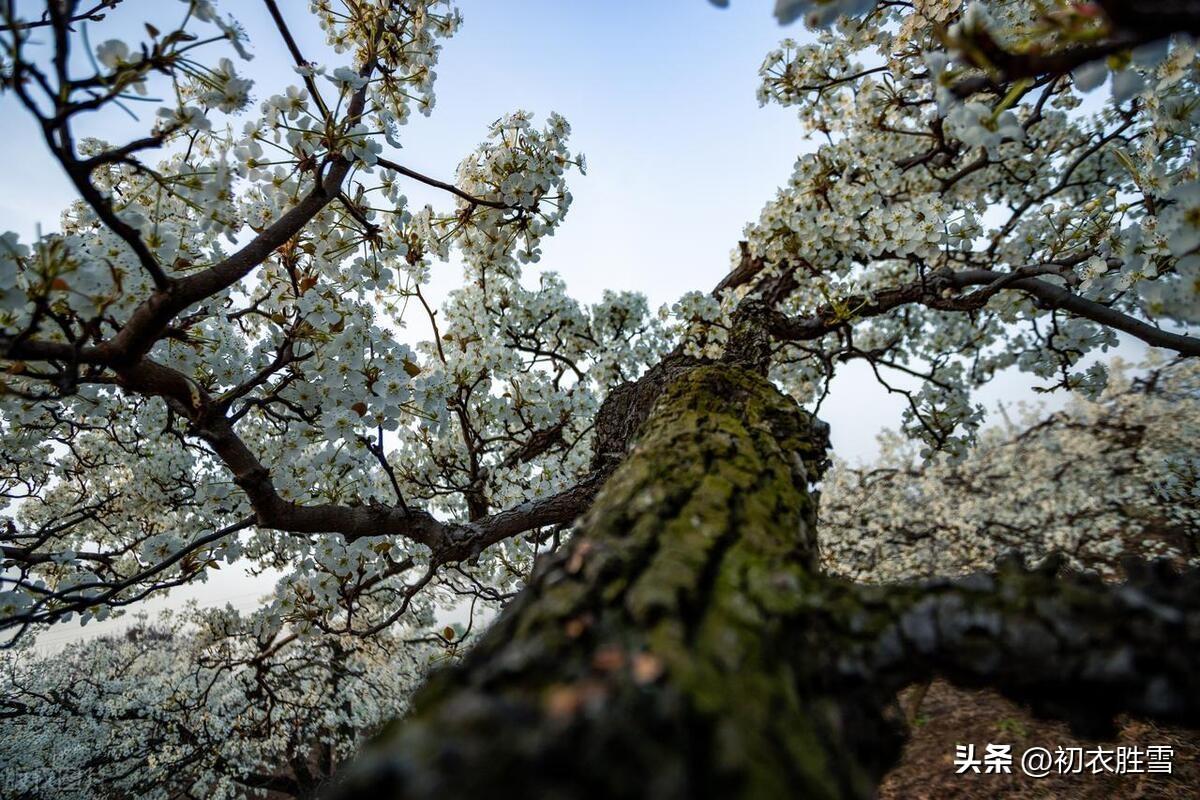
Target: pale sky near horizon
661 98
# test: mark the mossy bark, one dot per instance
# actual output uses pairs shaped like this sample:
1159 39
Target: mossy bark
683 645
651 657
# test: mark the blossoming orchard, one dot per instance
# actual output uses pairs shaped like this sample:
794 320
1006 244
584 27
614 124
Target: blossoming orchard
589 550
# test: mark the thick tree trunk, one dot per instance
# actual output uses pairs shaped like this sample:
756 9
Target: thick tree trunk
684 644
652 658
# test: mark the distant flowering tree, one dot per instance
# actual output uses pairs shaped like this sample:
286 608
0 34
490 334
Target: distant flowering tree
205 365
197 705
209 703
1092 483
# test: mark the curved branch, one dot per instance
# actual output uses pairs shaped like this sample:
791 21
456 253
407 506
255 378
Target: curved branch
557 509
1071 647
1058 297
827 319
435 183
151 317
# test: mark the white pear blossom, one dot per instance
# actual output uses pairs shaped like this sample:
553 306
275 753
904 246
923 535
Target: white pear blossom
228 355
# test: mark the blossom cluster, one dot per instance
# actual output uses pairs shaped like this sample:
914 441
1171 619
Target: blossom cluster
927 171
1095 482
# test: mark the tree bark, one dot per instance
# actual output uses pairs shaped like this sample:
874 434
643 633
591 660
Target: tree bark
684 644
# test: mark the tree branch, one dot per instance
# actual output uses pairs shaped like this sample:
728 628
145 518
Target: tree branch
1072 647
827 319
434 182
91 15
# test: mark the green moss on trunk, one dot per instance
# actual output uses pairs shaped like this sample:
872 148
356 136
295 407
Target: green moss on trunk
652 657
683 645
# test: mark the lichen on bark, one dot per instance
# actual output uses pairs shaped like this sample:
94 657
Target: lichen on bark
645 659
684 644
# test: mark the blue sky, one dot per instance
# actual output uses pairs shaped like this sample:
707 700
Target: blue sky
661 97
660 94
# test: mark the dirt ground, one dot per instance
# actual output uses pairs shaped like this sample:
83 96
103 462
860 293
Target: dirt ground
950 716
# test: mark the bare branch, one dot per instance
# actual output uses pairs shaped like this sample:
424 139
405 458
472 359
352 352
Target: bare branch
434 182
